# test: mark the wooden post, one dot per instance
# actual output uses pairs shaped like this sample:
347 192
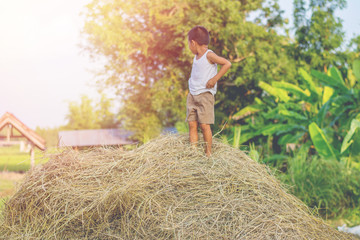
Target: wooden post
8 132
22 146
32 156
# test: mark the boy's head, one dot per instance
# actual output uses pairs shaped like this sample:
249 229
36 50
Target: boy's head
200 35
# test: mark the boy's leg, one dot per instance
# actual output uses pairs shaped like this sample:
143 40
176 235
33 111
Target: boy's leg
193 134
206 130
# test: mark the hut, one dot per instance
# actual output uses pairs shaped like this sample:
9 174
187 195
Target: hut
78 139
10 122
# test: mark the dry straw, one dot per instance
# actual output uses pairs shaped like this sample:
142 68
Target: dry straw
162 190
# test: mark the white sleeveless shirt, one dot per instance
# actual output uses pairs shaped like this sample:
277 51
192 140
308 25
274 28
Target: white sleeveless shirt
202 71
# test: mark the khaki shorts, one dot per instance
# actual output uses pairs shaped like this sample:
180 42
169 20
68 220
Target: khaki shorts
200 108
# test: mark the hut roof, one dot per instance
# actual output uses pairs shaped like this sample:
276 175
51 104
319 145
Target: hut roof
25 131
94 137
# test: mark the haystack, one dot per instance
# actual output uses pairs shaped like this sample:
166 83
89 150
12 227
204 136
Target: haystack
162 190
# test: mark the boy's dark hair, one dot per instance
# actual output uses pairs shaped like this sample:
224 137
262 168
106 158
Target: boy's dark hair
200 35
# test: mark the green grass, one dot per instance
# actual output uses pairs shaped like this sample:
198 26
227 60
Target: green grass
6 189
11 159
7 185
328 185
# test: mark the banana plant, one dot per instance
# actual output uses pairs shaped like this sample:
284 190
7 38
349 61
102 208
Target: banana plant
321 143
299 113
343 106
350 139
350 142
285 111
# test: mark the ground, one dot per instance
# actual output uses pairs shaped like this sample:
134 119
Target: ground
8 181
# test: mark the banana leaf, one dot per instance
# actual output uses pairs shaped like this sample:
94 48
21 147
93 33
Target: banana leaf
355 124
290 138
277 129
285 110
336 74
302 94
271 114
237 136
276 92
327 94
292 105
292 114
247 136
342 100
337 105
309 83
258 101
351 78
273 129
329 81
340 113
246 111
356 68
323 111
355 147
320 142
274 158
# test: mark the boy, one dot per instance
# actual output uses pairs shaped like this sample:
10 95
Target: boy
202 86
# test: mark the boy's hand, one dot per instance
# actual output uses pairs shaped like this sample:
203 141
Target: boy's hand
211 83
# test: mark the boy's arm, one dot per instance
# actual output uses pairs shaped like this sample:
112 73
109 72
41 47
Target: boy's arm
213 58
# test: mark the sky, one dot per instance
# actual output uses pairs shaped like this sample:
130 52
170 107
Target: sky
42 67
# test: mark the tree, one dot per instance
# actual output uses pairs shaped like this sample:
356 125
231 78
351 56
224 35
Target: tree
145 44
318 39
85 115
50 135
355 44
354 49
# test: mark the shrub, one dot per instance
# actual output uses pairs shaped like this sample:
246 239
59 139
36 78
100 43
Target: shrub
326 184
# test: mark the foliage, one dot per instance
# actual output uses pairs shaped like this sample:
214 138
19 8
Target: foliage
320 142
326 184
182 127
299 113
85 115
148 62
355 44
354 130
318 38
326 116
50 135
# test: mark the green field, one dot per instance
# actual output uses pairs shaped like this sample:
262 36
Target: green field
8 180
13 165
11 159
